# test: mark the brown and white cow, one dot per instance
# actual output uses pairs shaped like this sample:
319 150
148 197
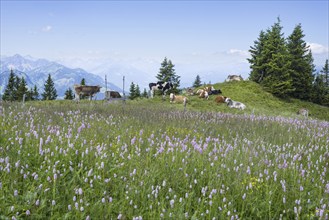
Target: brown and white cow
178 99
112 94
86 91
220 99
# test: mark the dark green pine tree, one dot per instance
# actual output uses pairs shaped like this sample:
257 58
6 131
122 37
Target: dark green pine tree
137 92
277 76
258 59
197 82
69 94
320 94
83 82
22 89
167 74
325 72
302 67
35 94
50 92
10 93
132 91
145 94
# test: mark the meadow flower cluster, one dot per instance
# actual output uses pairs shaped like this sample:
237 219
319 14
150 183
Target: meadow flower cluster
104 162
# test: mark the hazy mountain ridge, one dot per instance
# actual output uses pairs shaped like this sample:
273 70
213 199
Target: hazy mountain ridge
35 72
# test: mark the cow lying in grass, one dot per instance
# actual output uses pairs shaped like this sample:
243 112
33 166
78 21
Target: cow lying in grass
178 98
220 99
234 104
203 93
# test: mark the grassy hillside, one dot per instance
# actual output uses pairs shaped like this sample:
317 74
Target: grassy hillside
257 101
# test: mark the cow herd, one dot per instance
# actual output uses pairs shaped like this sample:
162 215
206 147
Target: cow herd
163 87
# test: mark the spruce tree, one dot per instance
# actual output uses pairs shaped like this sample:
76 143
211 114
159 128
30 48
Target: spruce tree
22 89
10 93
137 91
277 80
197 82
50 92
132 91
258 59
35 95
167 74
301 65
83 82
325 72
319 90
69 94
145 94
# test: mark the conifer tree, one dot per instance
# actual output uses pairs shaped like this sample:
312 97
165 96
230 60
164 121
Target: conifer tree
83 82
137 91
145 94
132 91
69 94
301 65
325 72
50 92
258 59
197 82
10 93
167 73
22 89
277 80
35 94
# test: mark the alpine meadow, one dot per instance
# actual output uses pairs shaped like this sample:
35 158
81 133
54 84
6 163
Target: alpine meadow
146 157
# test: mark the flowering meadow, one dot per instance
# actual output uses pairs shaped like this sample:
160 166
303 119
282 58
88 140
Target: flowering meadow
109 161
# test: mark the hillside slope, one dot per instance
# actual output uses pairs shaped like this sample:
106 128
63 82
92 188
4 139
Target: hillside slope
258 102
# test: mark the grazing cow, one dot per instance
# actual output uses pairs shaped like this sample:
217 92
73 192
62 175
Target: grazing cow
178 98
303 112
112 94
234 104
86 91
163 86
231 78
220 99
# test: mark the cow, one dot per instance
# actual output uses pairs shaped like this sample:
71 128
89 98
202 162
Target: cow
86 91
178 99
234 104
215 92
231 78
112 94
303 112
160 85
210 90
220 99
204 94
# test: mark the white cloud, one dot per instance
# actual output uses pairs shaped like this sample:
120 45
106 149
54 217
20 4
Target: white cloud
318 48
238 52
47 28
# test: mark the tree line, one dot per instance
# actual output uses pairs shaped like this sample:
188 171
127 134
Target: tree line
284 66
16 90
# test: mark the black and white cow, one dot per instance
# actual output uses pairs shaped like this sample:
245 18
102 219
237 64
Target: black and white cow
235 104
162 86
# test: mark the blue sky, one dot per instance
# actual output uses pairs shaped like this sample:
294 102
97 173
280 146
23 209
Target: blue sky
209 38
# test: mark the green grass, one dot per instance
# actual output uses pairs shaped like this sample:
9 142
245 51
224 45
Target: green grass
70 161
151 159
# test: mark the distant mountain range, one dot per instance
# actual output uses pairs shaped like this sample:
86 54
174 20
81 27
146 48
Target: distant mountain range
35 72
